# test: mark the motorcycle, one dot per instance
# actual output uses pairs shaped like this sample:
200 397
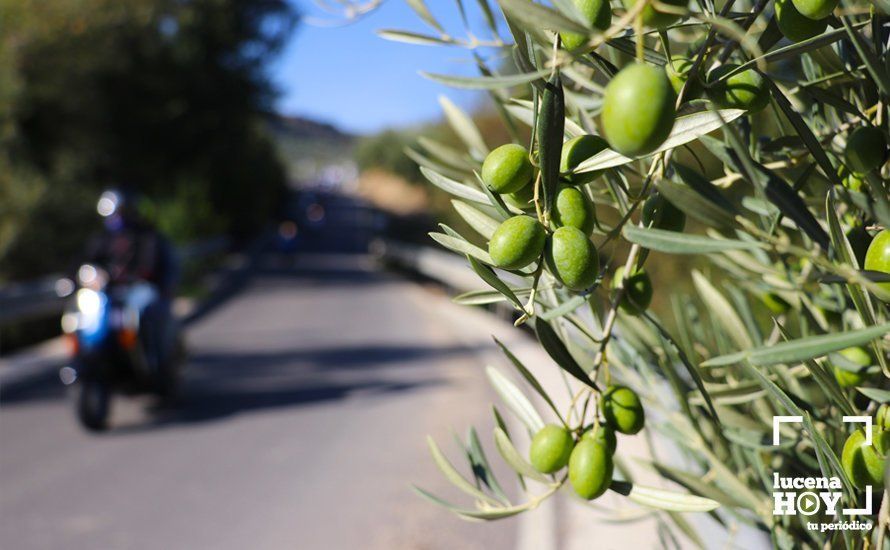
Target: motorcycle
113 329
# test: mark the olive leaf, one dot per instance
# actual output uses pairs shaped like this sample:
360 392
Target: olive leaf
861 300
485 82
529 377
551 127
722 310
875 394
412 37
534 16
464 127
674 242
485 297
524 112
461 247
455 477
446 153
484 224
454 188
515 460
419 7
663 500
801 349
687 128
489 276
705 188
515 400
557 350
491 513
481 468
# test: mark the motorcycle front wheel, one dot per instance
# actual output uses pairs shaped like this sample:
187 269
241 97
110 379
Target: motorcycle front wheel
93 403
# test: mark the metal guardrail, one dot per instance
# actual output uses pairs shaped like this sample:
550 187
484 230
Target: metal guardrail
448 269
46 296
444 267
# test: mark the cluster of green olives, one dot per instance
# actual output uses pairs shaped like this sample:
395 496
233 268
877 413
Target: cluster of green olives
639 104
589 457
567 251
864 463
521 240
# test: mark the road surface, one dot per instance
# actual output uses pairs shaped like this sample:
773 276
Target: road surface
307 400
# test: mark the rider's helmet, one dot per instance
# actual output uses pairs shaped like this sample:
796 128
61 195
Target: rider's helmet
118 208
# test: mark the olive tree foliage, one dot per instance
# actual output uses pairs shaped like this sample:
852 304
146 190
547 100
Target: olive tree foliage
783 210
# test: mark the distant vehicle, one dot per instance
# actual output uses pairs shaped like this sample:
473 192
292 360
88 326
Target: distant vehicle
108 325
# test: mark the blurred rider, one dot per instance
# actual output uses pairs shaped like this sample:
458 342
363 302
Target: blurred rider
131 249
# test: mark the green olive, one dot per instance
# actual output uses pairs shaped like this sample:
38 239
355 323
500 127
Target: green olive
638 110
815 9
622 409
658 19
866 150
877 258
577 150
507 168
659 213
775 303
517 242
551 448
853 182
862 463
604 434
637 291
744 90
598 14
678 73
572 209
572 258
848 379
851 378
522 199
795 26
590 468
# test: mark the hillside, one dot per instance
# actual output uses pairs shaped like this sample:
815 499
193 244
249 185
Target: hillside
307 146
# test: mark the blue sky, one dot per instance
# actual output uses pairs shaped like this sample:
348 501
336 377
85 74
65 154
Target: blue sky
352 78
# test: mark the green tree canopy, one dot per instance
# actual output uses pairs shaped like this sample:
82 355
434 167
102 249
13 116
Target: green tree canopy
155 94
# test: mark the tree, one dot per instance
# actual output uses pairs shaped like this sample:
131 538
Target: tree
153 94
774 151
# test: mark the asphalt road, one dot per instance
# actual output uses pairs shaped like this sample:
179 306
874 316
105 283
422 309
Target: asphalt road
307 399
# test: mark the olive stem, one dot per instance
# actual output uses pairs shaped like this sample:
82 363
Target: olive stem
529 309
635 249
537 198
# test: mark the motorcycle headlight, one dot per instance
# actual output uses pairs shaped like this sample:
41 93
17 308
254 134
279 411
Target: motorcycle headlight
88 302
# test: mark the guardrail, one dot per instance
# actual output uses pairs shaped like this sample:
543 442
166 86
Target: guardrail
445 268
46 296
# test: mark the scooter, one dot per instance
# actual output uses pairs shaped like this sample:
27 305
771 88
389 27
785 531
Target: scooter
113 329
